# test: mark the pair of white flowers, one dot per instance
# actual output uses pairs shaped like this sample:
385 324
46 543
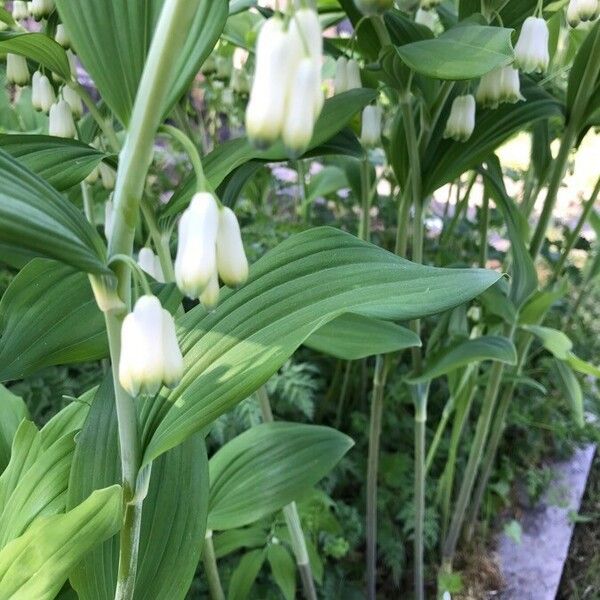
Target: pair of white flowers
38 9
582 11
209 246
287 95
347 75
502 84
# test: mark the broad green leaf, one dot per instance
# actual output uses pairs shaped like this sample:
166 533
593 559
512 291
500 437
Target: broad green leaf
36 218
37 564
445 160
62 163
173 519
307 281
232 540
69 420
368 40
494 348
570 387
12 411
245 575
403 30
283 570
112 38
227 157
38 47
524 280
326 182
556 342
267 467
460 53
351 337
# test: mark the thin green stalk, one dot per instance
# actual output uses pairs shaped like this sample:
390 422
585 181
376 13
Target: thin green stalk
211 569
292 518
484 223
191 150
448 232
305 207
88 203
377 401
343 393
365 219
402 226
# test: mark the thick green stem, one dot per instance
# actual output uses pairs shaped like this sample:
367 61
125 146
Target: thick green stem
292 518
211 569
379 378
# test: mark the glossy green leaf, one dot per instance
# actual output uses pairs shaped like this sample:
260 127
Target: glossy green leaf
283 570
12 411
62 163
173 519
231 155
305 282
112 38
570 387
69 420
403 30
267 467
490 347
351 337
38 47
555 341
37 564
36 218
445 160
245 575
460 53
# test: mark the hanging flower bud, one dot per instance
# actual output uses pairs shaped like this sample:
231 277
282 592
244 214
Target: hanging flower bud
210 296
62 37
353 71
573 18
232 263
109 218
461 121
40 9
72 67
340 83
306 26
531 50
150 354
196 259
500 85
510 86
371 126
73 99
45 93
266 107
93 176
61 122
107 176
35 90
17 71
426 18
20 10
587 9
150 263
300 117
373 7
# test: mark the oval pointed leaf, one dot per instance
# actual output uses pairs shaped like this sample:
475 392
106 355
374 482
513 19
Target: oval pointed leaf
267 467
572 390
461 53
351 337
555 341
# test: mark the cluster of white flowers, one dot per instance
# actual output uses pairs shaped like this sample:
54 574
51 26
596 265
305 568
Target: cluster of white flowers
582 11
38 9
287 95
347 75
210 246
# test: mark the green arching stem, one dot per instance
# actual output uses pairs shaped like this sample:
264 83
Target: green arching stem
135 269
211 570
292 518
191 150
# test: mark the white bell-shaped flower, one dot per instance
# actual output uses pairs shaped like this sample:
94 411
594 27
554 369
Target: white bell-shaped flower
210 296
370 135
17 71
353 75
428 4
428 18
196 259
45 94
109 218
61 122
107 176
74 100
510 86
340 82
306 27
266 106
461 121
93 176
19 10
232 263
150 354
61 36
573 18
40 9
300 118
500 85
150 263
35 90
587 10
373 7
531 50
